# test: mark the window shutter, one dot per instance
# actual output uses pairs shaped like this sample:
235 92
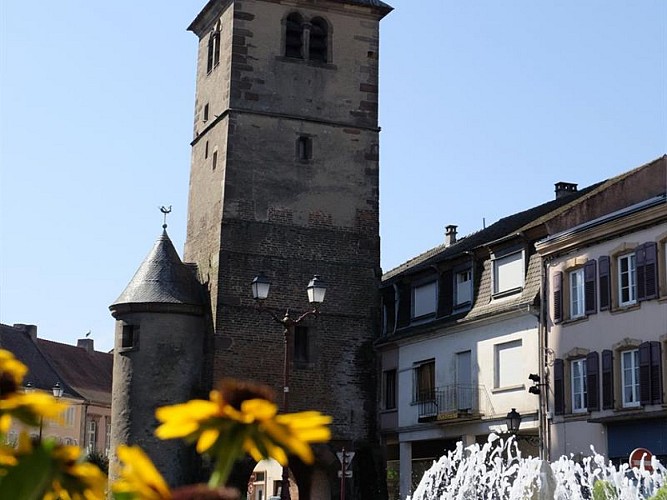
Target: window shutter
640 269
645 373
559 387
404 300
656 373
607 379
647 271
593 381
590 270
605 285
445 293
558 297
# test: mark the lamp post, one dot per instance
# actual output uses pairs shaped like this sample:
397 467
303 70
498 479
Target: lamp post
57 392
316 290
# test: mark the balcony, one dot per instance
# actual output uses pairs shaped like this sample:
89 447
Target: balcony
454 403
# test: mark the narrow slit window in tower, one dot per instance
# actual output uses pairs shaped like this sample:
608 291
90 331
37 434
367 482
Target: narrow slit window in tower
304 148
215 160
301 345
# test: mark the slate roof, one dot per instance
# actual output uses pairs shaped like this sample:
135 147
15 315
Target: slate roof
502 228
369 3
41 373
81 374
162 278
88 373
529 225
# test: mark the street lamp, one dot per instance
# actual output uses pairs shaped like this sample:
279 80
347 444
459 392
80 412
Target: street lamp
513 421
316 291
57 391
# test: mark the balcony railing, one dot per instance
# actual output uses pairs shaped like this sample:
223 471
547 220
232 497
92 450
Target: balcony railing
454 402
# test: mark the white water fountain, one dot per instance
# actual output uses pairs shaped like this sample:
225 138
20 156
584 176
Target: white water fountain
496 470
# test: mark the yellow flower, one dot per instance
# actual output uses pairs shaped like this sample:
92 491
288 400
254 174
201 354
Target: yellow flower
75 479
28 408
63 474
242 417
139 476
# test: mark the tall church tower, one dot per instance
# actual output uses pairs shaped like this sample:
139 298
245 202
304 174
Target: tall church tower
284 181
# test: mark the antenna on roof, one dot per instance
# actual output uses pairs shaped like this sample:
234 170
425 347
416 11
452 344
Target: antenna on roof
165 211
88 333
483 222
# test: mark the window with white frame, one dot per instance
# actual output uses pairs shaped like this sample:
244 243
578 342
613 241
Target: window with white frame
463 287
424 381
577 301
107 439
509 370
91 436
68 417
627 280
630 377
579 393
424 299
508 273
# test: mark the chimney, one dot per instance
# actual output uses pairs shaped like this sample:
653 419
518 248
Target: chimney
565 188
450 235
87 344
30 330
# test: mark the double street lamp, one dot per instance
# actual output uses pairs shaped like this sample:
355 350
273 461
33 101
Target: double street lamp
57 392
316 290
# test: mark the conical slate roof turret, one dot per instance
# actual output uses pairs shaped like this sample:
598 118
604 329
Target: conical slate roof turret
162 278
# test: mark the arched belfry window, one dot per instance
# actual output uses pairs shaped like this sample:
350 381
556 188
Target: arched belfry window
213 56
294 36
317 50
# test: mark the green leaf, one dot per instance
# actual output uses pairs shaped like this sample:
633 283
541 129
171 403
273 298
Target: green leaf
30 478
123 496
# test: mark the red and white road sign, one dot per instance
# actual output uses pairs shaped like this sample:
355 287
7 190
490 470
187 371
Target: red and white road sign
639 455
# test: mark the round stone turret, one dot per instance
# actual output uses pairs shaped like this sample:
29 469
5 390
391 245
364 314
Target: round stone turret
158 355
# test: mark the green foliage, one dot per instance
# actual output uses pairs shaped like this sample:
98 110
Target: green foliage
661 494
99 459
30 478
603 490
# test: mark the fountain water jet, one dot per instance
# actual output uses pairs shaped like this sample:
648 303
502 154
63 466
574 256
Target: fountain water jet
496 470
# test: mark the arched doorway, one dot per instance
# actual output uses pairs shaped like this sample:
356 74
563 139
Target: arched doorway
265 482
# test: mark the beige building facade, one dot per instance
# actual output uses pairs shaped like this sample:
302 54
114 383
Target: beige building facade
606 333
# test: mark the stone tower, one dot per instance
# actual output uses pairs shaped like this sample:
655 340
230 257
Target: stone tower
284 180
158 354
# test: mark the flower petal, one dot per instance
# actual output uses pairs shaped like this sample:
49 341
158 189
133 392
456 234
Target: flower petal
207 439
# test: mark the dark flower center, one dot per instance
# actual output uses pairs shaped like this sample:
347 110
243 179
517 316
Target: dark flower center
7 385
235 392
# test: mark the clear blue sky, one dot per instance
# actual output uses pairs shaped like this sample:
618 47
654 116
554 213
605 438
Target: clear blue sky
484 105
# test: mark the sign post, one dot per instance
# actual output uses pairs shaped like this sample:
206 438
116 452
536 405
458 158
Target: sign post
345 459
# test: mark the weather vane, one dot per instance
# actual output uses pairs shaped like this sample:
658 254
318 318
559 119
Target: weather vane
165 211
